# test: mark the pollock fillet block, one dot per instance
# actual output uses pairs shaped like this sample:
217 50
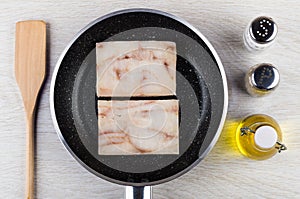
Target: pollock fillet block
138 127
136 68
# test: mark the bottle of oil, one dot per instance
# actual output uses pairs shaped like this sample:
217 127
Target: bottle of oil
259 137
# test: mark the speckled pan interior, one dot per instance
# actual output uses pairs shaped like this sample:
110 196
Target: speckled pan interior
200 91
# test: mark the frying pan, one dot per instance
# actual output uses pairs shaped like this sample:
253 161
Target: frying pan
201 89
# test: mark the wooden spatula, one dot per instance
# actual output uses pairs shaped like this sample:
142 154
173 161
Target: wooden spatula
30 68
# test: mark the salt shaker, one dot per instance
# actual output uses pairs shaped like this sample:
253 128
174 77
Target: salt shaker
262 79
260 33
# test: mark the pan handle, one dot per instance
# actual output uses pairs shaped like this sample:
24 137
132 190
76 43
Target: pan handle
138 192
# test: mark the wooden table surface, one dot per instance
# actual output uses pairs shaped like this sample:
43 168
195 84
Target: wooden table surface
225 173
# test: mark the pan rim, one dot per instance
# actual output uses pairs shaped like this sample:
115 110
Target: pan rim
215 56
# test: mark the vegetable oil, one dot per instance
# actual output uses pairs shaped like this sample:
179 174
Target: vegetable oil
259 137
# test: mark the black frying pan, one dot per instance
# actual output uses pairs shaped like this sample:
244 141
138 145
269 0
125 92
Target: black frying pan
201 90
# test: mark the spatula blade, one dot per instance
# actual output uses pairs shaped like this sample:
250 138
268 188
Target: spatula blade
30 59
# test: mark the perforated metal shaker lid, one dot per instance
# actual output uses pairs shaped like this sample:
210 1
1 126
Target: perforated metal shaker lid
263 30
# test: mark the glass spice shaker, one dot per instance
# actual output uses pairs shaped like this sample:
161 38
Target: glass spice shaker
262 79
260 33
259 137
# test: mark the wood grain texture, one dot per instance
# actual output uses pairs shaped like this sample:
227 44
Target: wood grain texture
30 71
224 173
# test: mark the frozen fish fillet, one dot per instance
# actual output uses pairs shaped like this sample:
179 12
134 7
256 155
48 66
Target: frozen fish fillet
138 127
136 68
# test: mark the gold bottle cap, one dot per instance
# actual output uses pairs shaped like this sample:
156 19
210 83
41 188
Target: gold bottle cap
265 137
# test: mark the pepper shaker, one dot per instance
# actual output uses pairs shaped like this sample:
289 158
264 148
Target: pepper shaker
262 79
260 33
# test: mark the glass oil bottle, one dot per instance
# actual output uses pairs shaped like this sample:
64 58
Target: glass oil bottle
259 137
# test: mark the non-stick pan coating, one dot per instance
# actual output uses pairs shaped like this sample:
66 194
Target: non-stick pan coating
200 90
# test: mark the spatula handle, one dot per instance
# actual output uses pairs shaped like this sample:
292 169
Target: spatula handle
29 194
